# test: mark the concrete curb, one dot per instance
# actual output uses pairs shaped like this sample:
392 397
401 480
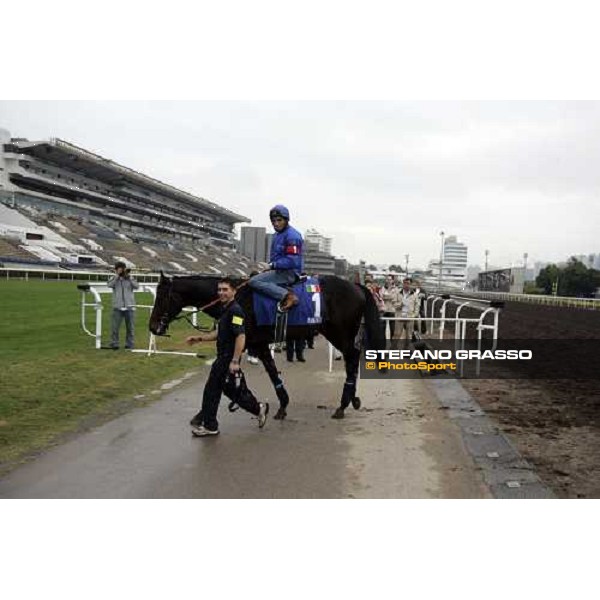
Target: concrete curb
505 471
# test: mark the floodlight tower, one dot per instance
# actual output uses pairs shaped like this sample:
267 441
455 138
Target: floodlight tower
441 260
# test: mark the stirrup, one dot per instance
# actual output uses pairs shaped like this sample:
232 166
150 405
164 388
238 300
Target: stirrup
280 332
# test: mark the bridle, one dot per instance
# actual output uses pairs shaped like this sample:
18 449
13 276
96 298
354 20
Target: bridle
164 319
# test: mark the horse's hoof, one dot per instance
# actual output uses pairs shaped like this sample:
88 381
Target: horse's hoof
280 415
338 414
356 403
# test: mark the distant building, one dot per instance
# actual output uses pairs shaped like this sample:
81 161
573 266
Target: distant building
341 267
253 243
453 271
268 240
317 262
510 280
472 272
312 236
59 177
62 206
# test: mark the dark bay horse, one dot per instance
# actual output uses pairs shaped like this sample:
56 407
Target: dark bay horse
347 307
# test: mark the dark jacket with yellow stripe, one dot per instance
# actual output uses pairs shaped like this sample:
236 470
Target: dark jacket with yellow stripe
231 324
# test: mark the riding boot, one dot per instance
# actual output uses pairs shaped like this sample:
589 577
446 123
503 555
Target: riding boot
290 300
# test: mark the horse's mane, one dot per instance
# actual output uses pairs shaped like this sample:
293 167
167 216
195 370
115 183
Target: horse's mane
204 277
237 281
200 276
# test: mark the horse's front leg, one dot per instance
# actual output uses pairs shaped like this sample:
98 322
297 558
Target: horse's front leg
264 354
351 358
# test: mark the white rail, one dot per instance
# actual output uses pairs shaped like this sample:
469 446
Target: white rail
460 323
96 291
565 301
57 274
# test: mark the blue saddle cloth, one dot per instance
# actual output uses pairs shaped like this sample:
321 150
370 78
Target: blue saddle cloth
308 311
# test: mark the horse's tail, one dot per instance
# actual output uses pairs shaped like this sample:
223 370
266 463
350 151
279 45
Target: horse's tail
375 338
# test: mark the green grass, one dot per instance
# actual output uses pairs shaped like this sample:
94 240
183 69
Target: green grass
53 379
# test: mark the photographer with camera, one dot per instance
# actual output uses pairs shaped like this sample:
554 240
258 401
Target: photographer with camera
122 285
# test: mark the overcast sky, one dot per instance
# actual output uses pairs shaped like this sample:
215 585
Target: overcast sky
383 179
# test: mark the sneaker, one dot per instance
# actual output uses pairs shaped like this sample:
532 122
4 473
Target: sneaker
262 413
201 431
253 360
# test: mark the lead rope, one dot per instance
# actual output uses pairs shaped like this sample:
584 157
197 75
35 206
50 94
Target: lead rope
187 316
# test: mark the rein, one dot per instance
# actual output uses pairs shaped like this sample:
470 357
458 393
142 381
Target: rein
187 316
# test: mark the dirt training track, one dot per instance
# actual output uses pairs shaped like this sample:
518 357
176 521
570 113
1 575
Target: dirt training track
555 424
400 444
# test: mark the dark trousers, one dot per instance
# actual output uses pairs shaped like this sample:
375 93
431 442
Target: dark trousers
214 388
117 318
296 346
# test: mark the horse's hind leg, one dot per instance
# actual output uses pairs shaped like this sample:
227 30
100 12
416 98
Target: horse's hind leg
264 354
351 358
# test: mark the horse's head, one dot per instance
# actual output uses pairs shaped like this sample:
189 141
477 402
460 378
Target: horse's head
167 306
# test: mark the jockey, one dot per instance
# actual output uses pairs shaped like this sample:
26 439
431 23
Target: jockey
286 261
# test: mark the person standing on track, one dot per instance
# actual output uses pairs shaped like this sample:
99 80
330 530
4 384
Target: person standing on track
407 308
231 339
389 293
421 299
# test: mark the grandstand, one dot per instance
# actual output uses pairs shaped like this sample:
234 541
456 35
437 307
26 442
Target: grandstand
64 207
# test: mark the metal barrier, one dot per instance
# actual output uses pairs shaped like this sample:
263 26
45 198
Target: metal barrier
565 301
460 323
99 277
485 306
97 290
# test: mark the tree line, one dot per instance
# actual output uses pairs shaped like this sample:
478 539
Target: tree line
574 279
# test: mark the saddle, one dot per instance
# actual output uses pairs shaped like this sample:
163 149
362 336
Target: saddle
307 311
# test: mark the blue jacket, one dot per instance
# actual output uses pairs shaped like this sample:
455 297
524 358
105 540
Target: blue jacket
287 250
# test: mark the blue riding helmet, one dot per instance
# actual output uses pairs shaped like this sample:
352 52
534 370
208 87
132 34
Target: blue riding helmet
279 211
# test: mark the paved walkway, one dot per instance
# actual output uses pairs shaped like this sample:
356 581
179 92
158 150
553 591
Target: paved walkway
400 444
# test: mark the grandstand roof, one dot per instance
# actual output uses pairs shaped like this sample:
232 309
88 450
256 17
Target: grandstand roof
71 156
